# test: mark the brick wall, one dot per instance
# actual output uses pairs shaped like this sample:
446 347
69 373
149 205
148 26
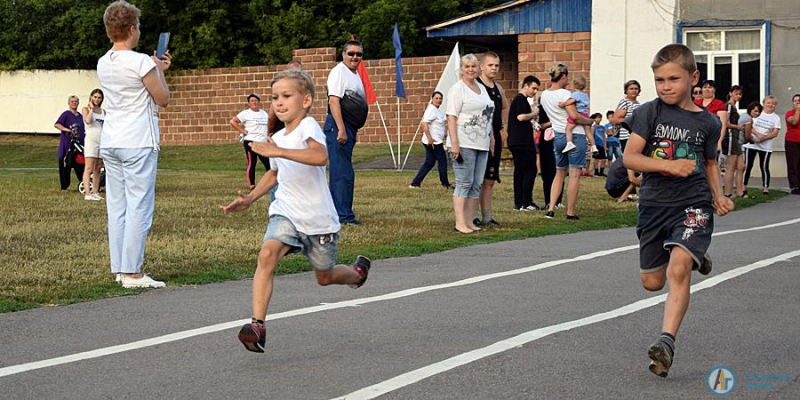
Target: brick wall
539 51
204 101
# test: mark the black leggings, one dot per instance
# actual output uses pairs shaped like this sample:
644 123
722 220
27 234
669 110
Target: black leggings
252 161
750 158
524 174
547 161
63 174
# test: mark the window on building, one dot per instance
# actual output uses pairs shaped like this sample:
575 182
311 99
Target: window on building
730 56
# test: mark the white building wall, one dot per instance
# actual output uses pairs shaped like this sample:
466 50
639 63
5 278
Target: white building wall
626 34
33 100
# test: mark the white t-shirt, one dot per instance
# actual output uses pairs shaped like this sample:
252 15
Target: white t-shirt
762 126
131 114
474 116
435 119
303 195
255 123
558 116
342 79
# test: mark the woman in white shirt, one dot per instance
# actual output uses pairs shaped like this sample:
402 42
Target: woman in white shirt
252 126
433 135
134 85
469 130
93 117
759 135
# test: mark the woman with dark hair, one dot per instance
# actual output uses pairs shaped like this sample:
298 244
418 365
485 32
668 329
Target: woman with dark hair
93 117
792 145
251 124
715 106
731 147
625 108
697 93
572 161
134 85
433 134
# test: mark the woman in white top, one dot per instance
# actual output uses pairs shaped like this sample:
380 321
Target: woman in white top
252 127
433 135
759 135
93 117
134 85
469 130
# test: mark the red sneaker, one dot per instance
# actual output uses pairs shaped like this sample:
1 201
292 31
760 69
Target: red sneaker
361 266
253 336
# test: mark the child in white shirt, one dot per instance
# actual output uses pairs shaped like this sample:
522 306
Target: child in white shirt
302 218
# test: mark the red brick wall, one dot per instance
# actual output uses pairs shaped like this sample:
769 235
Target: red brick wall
539 51
204 101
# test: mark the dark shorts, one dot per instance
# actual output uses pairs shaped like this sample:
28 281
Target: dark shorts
617 190
661 228
731 145
601 154
493 162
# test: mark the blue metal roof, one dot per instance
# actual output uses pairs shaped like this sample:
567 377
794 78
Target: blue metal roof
518 17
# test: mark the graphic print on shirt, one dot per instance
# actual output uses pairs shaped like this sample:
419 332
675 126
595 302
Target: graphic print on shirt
673 143
477 127
695 220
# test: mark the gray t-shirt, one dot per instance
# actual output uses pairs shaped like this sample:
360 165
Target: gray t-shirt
671 134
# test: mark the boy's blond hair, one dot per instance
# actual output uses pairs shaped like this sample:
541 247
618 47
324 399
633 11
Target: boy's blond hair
305 84
579 82
770 97
675 53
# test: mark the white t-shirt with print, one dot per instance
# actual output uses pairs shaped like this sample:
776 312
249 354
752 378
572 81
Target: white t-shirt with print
131 120
474 116
342 79
303 195
762 126
435 119
558 116
255 123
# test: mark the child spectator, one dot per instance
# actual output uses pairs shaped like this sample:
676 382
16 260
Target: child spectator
622 182
612 138
581 101
674 143
599 142
302 218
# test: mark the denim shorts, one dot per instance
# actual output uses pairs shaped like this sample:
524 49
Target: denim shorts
469 172
662 228
575 158
321 250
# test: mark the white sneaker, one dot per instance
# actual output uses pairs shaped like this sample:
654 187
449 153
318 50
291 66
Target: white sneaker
569 147
97 196
143 282
559 206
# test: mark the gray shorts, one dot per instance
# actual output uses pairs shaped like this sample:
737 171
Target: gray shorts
661 228
321 250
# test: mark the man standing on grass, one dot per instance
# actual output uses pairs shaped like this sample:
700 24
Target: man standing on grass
490 66
347 113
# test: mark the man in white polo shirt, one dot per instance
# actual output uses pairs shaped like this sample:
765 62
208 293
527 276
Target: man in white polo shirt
347 113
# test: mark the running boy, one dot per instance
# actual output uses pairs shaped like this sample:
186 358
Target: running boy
302 218
674 144
581 101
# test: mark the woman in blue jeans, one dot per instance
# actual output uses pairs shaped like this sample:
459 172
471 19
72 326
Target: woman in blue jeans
469 130
433 134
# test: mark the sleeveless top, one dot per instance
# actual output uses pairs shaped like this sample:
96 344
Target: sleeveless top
97 125
497 117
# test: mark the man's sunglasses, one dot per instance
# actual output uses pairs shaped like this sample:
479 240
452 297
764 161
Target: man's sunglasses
355 54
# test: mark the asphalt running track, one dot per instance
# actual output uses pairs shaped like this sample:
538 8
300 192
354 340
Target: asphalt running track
554 317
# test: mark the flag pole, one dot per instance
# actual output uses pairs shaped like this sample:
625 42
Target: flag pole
411 146
398 133
386 131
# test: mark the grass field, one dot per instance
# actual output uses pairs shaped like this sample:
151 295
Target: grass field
53 246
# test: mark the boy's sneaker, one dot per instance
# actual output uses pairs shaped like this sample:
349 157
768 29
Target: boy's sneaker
253 336
705 267
143 282
559 206
361 266
477 222
661 360
550 215
491 223
532 207
573 217
413 186
569 147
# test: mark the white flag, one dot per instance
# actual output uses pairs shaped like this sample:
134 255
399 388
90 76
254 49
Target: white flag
450 76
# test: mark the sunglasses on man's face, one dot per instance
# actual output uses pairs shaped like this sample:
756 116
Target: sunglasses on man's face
355 54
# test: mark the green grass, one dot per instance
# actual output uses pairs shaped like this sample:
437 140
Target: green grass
53 246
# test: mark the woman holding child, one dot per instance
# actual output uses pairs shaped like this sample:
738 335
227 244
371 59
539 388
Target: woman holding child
469 130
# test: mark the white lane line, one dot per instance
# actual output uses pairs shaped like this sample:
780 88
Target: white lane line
417 375
105 351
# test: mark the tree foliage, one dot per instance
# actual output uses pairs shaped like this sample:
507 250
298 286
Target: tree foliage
61 34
